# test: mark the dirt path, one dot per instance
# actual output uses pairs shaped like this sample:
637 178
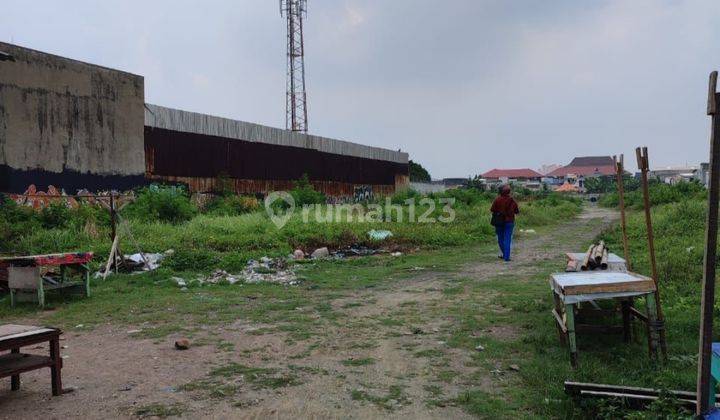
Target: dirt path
386 354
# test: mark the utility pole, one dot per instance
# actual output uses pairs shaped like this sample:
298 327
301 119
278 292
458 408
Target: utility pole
709 263
295 98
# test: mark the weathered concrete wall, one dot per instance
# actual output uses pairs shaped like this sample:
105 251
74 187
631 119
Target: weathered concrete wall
69 123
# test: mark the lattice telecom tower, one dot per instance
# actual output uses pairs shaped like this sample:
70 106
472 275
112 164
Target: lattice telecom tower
295 99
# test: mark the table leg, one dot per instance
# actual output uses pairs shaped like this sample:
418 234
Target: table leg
559 311
56 366
41 293
15 379
86 269
625 304
652 324
570 323
12 298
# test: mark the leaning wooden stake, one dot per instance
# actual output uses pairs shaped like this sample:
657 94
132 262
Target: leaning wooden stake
619 174
644 166
711 229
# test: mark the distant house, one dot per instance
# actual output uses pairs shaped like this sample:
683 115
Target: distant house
454 182
525 177
586 167
673 175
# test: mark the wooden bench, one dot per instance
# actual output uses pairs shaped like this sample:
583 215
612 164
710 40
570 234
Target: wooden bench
14 337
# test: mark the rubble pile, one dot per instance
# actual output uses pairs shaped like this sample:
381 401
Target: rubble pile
267 270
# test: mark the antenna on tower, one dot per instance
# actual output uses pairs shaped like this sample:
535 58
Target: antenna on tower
295 98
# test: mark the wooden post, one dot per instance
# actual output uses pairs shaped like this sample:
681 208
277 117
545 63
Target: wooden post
113 218
644 166
704 377
620 172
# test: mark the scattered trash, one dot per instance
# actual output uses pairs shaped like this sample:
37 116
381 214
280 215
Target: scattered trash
140 262
179 280
396 254
480 347
298 254
528 230
79 326
379 235
126 387
689 249
267 270
219 276
182 344
134 331
516 368
320 253
356 251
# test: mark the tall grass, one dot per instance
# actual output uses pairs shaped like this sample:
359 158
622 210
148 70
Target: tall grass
234 239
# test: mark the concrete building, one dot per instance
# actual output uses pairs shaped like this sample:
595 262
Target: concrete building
68 123
75 125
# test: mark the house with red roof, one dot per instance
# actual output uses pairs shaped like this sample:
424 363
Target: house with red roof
580 168
525 177
586 166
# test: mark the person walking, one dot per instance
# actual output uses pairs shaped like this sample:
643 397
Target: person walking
503 210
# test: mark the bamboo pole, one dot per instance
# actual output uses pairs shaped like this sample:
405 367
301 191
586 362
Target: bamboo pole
588 257
708 294
598 254
644 166
604 261
620 172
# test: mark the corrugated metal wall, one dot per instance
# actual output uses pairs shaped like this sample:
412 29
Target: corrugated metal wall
191 122
199 160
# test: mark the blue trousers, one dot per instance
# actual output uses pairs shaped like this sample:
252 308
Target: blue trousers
504 235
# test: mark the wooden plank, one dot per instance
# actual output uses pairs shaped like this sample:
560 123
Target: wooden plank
559 321
601 282
12 329
23 277
619 287
14 363
639 315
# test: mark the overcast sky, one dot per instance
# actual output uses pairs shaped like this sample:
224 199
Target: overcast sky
464 86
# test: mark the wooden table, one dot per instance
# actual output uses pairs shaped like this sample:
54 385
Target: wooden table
13 337
23 273
571 289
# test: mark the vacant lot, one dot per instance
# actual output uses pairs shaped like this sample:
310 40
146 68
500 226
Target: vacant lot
435 333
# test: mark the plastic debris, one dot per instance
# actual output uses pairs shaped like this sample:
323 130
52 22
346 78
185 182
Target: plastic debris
379 235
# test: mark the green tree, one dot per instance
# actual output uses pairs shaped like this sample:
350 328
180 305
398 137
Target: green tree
418 173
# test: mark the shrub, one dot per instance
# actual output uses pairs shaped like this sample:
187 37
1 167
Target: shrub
15 221
162 203
304 193
192 259
659 194
55 215
232 205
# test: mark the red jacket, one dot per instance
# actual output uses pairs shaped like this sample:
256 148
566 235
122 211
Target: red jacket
507 206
